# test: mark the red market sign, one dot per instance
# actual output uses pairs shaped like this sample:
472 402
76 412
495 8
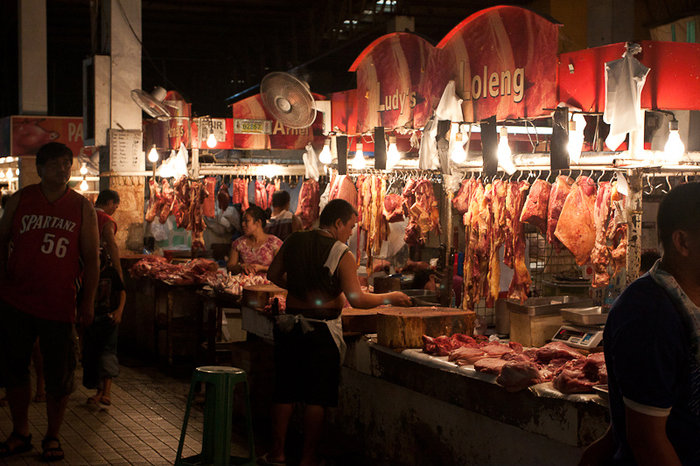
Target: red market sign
672 83
24 135
503 61
280 136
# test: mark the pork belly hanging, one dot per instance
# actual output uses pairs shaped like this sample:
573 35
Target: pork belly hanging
557 197
535 209
576 227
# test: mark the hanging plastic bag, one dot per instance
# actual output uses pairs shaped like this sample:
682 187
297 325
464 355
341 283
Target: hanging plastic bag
450 106
311 163
624 80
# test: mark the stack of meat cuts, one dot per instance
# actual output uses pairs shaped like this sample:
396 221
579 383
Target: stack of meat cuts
557 197
575 228
517 368
370 207
421 209
308 204
240 193
194 272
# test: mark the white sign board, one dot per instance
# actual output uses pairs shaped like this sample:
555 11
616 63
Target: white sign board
126 150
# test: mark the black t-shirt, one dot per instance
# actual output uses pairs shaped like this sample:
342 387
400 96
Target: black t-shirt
304 254
109 290
650 364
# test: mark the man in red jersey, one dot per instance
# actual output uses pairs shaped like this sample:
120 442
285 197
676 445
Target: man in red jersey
48 241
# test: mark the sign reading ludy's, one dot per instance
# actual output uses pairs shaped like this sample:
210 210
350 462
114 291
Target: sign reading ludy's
503 61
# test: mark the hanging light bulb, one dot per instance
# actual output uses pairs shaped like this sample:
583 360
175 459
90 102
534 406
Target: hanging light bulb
2 175
576 127
153 154
83 169
674 147
325 157
392 154
84 185
358 163
458 154
17 171
211 139
505 159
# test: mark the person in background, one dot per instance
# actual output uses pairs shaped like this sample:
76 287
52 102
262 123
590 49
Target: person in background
253 252
652 351
53 231
100 363
317 268
282 223
222 230
106 204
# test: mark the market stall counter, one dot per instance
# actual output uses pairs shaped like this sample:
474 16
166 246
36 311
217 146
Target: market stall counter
418 409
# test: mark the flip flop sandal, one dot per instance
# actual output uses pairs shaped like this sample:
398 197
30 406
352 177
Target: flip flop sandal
24 446
50 454
105 400
265 461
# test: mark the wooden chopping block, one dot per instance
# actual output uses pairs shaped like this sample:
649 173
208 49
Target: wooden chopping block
257 296
359 320
404 327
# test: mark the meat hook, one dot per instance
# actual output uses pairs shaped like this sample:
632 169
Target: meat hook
602 172
651 188
668 183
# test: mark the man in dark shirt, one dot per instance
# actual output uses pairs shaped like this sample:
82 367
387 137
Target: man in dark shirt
651 350
282 223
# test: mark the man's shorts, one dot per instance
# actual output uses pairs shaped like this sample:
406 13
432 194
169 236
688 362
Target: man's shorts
18 332
307 366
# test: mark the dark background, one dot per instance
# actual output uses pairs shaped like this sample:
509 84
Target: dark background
210 50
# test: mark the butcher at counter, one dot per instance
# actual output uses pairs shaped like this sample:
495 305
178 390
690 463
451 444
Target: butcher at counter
316 267
253 252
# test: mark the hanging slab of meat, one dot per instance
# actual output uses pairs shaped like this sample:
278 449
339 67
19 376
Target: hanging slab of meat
182 202
240 193
393 208
155 200
308 204
617 231
535 209
271 188
209 208
575 228
476 222
197 225
557 197
498 208
520 283
260 194
517 375
420 207
342 187
461 199
168 195
600 255
223 197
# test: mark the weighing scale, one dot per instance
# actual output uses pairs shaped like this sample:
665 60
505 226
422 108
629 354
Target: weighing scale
582 328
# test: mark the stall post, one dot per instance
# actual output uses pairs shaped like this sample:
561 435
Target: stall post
634 224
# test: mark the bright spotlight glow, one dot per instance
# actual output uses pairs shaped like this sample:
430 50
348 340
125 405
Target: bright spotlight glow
84 185
505 159
458 154
392 154
153 154
358 162
83 169
674 148
325 157
576 127
211 140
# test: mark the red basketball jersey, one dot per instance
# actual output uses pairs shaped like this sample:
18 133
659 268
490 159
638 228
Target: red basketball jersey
102 219
44 265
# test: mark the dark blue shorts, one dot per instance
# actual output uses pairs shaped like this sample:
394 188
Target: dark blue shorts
18 332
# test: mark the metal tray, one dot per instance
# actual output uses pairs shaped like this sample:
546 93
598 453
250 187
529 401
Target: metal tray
584 316
544 305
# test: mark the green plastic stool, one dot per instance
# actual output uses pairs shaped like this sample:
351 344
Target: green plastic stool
218 411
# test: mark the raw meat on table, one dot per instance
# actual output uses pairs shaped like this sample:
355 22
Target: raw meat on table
466 355
489 365
556 350
517 375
